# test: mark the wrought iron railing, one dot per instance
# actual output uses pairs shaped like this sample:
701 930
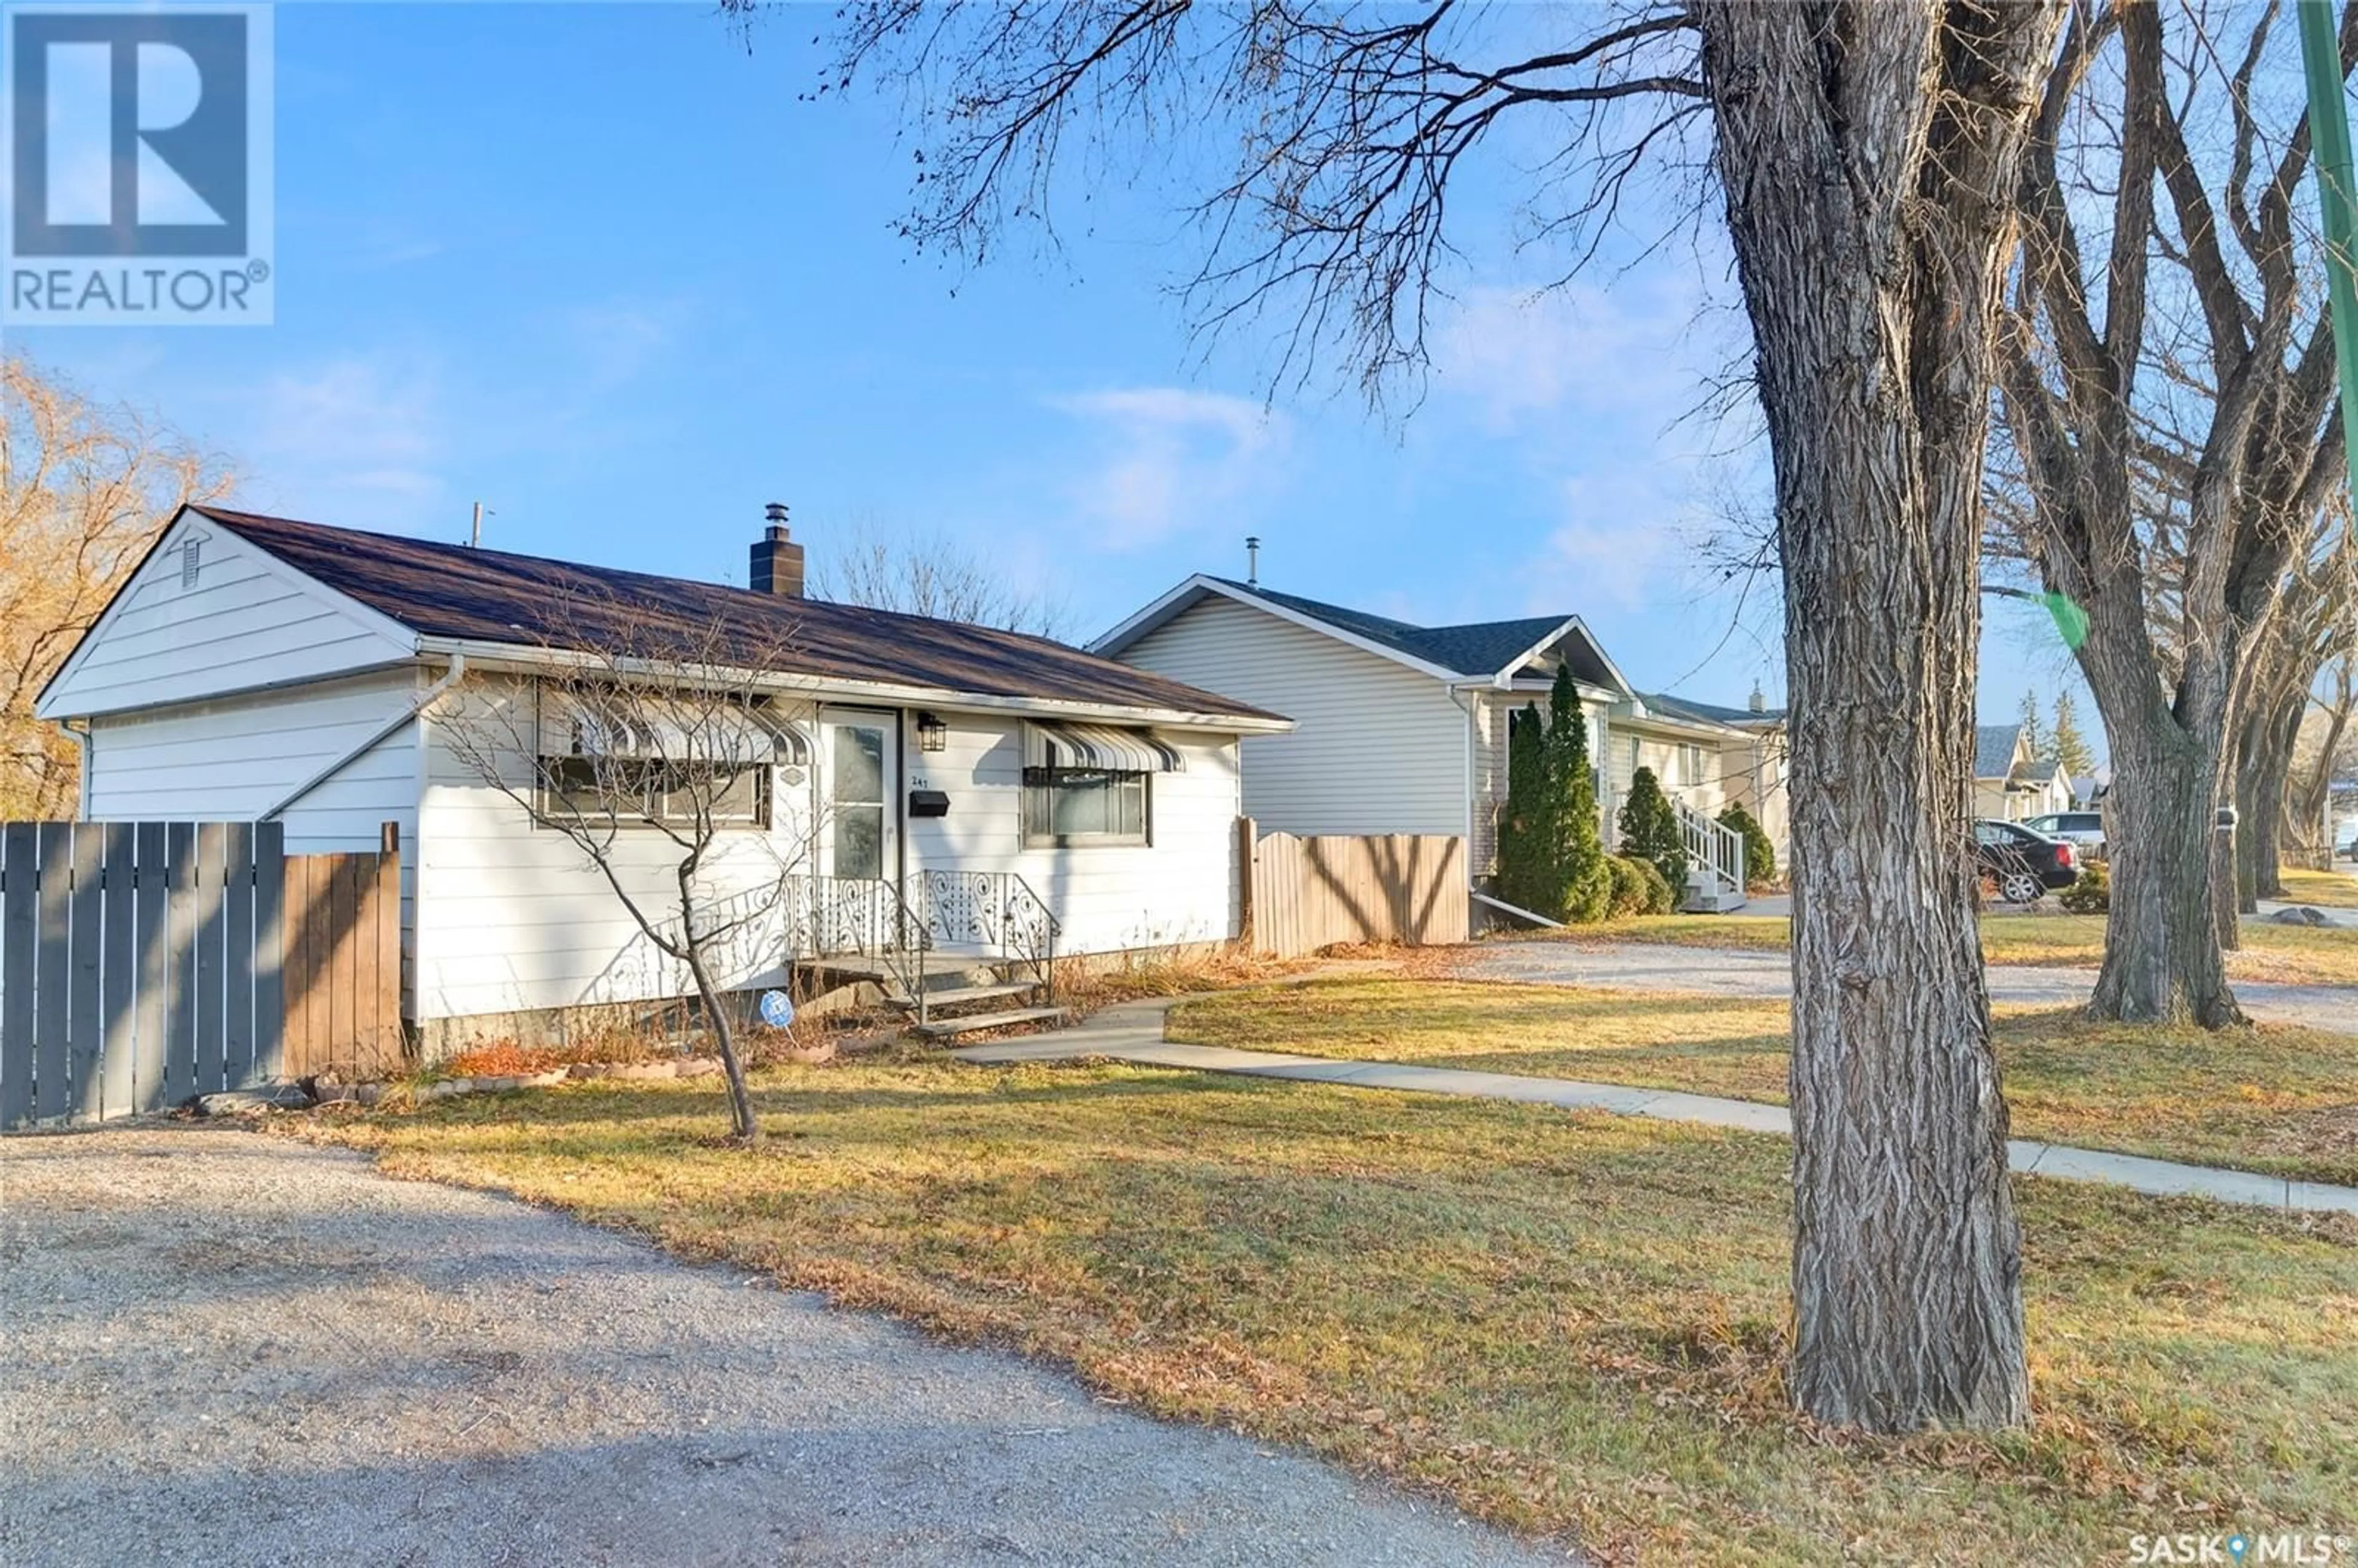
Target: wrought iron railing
996 910
833 916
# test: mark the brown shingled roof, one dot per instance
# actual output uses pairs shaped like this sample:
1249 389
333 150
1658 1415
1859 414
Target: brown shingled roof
452 591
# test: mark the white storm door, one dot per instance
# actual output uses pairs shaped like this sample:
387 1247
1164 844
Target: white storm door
858 762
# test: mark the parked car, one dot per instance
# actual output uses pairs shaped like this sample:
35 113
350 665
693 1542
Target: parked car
2081 829
2024 865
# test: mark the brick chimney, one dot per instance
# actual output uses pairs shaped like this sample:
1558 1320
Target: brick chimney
777 560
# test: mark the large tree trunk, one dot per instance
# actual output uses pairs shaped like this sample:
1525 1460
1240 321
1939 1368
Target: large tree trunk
2162 958
1861 146
2263 781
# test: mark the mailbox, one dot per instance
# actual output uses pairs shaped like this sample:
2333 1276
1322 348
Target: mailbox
929 802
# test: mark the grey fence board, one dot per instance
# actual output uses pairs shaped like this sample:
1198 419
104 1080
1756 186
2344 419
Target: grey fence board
180 990
151 968
86 997
52 971
212 984
143 963
19 843
269 949
119 966
237 904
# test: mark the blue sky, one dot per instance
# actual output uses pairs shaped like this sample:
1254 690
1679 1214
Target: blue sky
599 267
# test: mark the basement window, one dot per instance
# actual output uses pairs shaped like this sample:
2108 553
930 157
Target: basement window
1075 807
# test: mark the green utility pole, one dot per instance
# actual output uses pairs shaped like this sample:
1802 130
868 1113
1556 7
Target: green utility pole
2329 122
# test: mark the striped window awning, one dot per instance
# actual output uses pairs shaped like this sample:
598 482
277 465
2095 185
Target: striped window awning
589 723
1097 748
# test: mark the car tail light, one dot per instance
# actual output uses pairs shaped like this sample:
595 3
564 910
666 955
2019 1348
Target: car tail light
2063 856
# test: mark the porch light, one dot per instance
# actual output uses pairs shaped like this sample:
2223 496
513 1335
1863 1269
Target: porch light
933 735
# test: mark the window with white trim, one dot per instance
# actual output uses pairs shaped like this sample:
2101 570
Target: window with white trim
1072 807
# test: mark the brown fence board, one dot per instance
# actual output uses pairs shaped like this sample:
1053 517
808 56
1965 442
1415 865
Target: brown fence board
1308 893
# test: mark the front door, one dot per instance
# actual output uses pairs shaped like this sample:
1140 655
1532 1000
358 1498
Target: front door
859 762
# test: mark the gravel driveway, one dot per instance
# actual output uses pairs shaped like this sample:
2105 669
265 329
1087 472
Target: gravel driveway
226 1347
1733 971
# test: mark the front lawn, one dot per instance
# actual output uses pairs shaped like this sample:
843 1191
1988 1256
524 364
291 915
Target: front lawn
2328 890
1562 1322
2288 955
2274 1099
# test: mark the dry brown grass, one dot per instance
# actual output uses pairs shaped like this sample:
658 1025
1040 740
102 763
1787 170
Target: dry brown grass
2274 1099
1565 1323
2286 955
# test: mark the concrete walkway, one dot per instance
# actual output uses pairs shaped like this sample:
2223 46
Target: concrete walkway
1750 972
1134 1033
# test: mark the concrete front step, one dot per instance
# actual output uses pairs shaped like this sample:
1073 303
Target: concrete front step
954 996
860 966
975 1022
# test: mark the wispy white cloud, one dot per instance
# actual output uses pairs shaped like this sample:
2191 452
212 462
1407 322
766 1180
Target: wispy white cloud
1519 355
355 439
1167 459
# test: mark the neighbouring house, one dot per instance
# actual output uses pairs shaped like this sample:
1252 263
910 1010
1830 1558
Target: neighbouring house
1402 728
255 668
2009 783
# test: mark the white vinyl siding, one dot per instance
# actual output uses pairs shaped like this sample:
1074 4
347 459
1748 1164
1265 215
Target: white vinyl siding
1179 887
246 623
1377 747
234 759
515 918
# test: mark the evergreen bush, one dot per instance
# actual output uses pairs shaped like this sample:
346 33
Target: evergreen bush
1649 830
2092 894
1759 854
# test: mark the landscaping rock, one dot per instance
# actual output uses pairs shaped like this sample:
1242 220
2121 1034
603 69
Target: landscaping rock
810 1055
369 1094
636 1071
696 1067
253 1102
2298 914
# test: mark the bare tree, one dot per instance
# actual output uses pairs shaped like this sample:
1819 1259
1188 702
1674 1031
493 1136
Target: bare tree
2325 751
1866 153
2314 623
651 748
2168 389
930 574
84 491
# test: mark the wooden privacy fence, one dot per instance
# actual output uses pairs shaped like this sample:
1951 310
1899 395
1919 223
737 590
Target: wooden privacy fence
1303 894
142 962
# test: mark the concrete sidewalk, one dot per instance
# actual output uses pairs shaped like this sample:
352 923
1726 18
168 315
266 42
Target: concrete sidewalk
1751 972
1134 1033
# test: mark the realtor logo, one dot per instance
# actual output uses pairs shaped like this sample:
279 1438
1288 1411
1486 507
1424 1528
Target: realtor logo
138 165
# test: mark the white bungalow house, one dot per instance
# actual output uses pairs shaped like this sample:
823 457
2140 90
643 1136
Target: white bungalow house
1402 728
2009 783
255 668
